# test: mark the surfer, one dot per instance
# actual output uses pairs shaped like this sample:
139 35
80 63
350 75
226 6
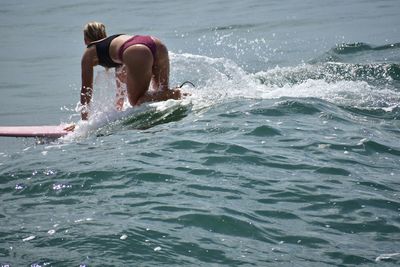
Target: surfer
139 60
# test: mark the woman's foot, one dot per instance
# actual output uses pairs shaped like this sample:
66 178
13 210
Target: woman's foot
174 94
161 95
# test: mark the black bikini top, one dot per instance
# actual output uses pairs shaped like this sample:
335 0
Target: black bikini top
103 52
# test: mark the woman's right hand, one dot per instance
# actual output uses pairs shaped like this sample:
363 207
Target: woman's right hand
84 116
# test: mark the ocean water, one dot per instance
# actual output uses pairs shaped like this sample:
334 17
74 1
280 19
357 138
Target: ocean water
286 153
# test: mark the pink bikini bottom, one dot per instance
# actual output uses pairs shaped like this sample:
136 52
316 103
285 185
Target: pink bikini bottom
139 39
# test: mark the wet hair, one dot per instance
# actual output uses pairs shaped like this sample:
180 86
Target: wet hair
94 31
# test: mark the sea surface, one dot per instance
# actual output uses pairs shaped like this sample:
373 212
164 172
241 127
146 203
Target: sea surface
285 153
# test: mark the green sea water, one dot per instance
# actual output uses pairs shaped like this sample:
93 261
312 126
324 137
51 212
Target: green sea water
286 153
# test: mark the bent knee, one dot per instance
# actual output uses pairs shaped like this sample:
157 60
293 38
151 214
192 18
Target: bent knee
137 86
162 51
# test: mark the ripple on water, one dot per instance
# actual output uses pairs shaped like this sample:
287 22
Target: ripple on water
264 131
223 224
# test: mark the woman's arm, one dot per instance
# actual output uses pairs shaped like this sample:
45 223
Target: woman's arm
87 82
120 78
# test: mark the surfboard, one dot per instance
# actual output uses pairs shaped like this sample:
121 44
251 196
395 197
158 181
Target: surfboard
49 131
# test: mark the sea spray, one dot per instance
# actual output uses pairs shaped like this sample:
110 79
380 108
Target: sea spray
217 80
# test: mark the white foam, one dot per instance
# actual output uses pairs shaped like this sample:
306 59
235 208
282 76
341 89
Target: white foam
386 256
51 232
220 79
29 238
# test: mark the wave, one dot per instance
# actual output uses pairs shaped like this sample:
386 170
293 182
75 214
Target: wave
351 48
374 73
373 87
356 85
360 52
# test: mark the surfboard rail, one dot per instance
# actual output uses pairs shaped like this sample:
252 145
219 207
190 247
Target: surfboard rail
49 131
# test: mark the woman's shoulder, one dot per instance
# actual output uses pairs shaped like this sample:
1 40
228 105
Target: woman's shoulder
89 55
105 39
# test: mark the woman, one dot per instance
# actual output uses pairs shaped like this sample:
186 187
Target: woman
139 60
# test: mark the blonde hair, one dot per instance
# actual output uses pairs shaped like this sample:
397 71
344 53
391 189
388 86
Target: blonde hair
94 31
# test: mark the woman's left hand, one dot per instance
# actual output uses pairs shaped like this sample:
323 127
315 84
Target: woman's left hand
70 128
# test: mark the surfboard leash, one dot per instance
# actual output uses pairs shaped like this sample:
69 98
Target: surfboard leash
187 82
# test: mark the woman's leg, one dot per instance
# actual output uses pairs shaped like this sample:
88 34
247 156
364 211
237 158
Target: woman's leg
139 62
161 67
161 75
141 70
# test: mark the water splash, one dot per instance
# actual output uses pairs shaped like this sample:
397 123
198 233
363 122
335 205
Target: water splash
367 86
360 85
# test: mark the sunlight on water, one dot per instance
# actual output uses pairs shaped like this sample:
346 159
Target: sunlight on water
285 153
